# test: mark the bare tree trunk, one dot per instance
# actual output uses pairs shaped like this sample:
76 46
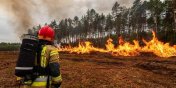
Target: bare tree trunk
156 25
174 6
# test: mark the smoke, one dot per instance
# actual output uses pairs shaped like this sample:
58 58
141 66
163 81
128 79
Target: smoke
24 14
19 13
58 8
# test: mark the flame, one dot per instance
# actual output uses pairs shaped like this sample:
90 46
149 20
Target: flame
84 47
159 48
125 48
65 49
121 41
110 45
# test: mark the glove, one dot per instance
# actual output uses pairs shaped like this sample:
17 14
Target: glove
54 69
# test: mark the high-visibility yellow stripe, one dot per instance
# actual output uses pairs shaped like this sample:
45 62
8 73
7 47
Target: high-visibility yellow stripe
44 61
43 57
54 52
39 84
28 82
19 78
56 79
41 61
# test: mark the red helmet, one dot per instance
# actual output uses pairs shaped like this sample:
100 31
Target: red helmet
46 33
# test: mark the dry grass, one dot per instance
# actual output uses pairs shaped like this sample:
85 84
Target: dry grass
103 71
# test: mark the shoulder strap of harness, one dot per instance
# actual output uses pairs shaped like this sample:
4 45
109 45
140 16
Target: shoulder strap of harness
39 55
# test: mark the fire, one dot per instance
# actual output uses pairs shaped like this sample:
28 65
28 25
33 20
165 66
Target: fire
84 47
110 45
65 49
159 48
126 48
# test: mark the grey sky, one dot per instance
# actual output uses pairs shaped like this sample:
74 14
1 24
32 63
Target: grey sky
42 11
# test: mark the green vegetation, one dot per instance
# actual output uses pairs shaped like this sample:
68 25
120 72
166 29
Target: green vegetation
9 46
136 22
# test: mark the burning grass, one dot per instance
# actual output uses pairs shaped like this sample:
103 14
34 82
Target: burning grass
125 48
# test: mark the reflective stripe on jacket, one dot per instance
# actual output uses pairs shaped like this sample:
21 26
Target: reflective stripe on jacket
40 81
48 53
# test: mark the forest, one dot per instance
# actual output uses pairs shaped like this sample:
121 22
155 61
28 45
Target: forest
135 22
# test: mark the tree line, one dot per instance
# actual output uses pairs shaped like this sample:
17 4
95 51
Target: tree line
135 22
9 46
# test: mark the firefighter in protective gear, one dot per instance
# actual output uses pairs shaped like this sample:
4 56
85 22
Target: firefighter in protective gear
49 68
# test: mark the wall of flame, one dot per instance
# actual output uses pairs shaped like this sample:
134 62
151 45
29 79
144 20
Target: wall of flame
125 48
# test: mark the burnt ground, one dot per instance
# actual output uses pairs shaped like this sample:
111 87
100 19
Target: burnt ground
98 70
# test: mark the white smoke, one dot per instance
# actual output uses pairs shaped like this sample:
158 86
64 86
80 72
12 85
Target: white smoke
23 14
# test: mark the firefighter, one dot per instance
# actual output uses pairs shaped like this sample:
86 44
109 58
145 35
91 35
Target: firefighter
49 67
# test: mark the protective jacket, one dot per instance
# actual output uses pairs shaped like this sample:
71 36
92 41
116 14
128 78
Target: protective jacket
49 61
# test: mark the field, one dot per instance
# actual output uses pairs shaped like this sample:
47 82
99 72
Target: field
97 70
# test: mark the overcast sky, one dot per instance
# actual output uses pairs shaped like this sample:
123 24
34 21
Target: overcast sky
16 16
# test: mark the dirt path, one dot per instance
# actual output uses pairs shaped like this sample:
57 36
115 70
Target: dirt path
103 71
